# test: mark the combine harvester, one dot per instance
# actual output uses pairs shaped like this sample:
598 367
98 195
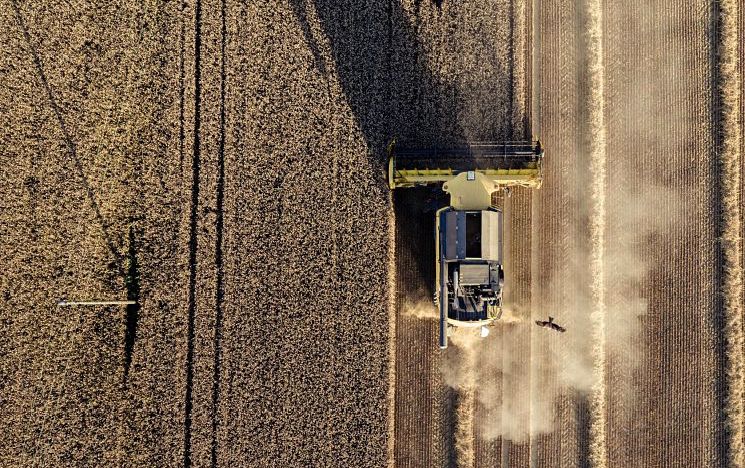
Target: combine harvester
469 273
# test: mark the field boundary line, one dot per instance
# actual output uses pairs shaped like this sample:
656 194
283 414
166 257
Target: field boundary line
535 69
391 446
729 229
533 123
392 280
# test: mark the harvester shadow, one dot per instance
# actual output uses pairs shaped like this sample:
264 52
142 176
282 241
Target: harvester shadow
383 72
415 231
392 93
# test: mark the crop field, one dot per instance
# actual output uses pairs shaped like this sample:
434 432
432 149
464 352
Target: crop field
222 164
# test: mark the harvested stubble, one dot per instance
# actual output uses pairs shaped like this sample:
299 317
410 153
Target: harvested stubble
655 102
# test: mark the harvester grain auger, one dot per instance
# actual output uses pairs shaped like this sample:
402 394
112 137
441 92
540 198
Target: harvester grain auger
469 274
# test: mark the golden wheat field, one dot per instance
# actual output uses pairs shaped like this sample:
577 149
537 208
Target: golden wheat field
221 164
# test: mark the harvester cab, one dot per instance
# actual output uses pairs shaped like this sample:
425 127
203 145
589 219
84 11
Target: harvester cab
469 273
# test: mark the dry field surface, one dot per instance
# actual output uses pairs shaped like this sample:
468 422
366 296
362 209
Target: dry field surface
221 163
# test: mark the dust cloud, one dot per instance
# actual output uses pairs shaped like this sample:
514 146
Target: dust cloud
563 362
420 309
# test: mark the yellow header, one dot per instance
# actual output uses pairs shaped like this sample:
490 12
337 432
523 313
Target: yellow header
503 177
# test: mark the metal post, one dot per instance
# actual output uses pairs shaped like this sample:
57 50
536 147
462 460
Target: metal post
93 303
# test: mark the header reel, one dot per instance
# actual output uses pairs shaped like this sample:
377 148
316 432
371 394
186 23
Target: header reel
506 164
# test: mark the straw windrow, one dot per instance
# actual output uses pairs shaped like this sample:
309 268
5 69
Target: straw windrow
596 151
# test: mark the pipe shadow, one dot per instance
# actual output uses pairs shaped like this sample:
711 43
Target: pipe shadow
68 140
382 70
132 284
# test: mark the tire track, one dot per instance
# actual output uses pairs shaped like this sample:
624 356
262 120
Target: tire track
537 350
533 76
513 93
219 290
559 116
182 89
392 308
519 66
193 238
516 356
464 430
466 361
556 102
